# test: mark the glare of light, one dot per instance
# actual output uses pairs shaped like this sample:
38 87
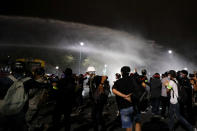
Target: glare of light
185 68
105 65
170 51
57 67
48 74
81 43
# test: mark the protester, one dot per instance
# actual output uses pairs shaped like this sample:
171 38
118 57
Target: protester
155 91
193 81
145 79
131 92
53 92
79 95
117 77
100 91
174 105
12 116
91 73
123 89
37 99
165 98
140 96
65 100
186 108
144 74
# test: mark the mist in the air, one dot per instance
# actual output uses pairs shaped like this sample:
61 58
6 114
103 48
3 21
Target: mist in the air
105 49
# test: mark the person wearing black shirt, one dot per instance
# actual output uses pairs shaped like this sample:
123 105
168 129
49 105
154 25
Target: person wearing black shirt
186 110
123 89
65 99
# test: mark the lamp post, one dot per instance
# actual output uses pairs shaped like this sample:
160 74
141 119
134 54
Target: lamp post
171 59
185 68
170 51
105 69
81 44
57 68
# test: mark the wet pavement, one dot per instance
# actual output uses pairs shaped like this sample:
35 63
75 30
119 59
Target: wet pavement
82 121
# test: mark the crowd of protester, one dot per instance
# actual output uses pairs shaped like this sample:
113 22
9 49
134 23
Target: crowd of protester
24 95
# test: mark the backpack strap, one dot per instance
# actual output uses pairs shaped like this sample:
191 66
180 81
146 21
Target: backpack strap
177 88
25 79
143 95
175 82
12 78
22 80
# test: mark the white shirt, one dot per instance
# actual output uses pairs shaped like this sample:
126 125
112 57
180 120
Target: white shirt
164 90
174 92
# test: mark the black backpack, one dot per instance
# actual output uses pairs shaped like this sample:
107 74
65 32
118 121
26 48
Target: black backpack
183 97
144 101
140 99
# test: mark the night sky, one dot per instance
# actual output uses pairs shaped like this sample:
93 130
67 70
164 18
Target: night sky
167 21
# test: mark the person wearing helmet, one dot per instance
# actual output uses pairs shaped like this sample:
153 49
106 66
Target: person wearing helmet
92 73
17 121
91 70
18 69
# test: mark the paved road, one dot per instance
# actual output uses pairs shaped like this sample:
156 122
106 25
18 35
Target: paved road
82 121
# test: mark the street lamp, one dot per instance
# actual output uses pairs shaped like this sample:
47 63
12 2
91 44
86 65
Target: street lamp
185 68
105 69
170 51
170 58
57 67
81 44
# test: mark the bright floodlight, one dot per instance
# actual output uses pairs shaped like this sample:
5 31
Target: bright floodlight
185 68
170 51
57 67
81 43
105 65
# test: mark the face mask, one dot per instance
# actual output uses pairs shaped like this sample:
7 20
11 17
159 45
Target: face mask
168 77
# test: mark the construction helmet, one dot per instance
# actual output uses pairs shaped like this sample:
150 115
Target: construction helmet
91 69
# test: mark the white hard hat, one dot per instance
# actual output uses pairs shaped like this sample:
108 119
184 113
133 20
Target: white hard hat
91 69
